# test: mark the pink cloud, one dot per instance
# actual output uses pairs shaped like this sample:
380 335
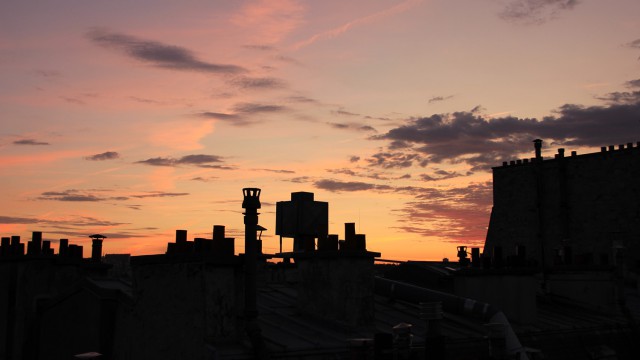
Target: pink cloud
271 20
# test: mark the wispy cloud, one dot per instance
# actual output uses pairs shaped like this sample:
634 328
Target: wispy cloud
460 214
30 142
633 83
340 186
440 174
277 171
73 195
204 179
157 194
634 44
243 112
535 11
439 98
332 33
200 160
158 54
256 108
108 155
343 112
257 83
352 126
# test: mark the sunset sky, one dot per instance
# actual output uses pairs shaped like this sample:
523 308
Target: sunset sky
136 118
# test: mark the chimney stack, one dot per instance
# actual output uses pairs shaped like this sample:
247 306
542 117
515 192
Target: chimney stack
96 247
537 144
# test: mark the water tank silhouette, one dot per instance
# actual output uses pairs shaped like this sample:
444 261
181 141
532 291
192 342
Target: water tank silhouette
302 216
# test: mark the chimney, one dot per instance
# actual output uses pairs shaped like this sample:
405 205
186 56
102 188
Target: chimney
63 248
5 246
560 152
475 257
36 239
537 144
349 236
251 204
17 248
46 248
96 247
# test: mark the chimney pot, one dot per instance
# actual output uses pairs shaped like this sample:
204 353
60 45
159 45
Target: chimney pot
181 236
218 232
537 144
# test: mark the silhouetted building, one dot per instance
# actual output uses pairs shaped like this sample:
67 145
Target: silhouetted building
569 210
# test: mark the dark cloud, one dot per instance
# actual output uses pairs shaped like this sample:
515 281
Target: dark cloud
156 194
339 186
71 195
535 11
443 175
30 142
439 98
302 99
159 161
634 44
243 112
253 108
109 155
278 171
482 143
204 179
200 160
396 159
343 112
158 54
633 83
219 116
300 179
354 159
352 126
233 119
245 82
621 97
